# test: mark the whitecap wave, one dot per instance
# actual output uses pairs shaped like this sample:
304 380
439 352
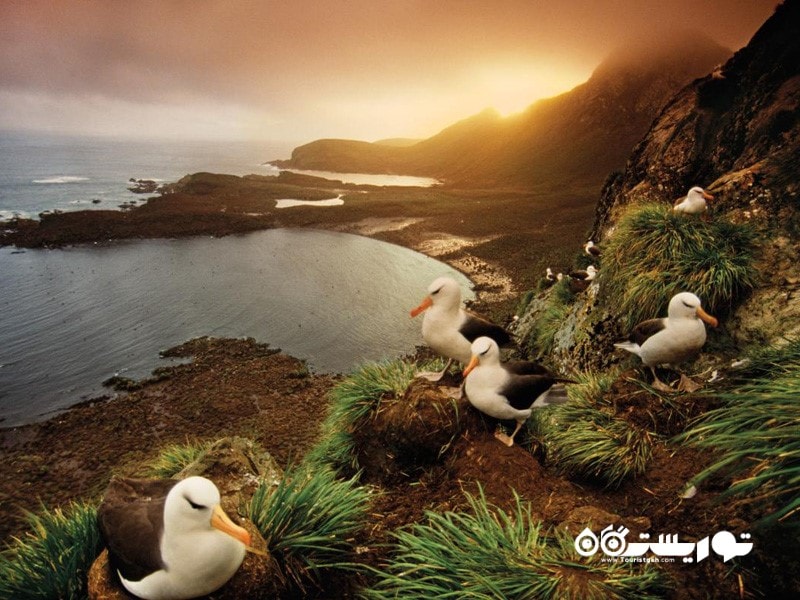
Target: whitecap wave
9 215
61 179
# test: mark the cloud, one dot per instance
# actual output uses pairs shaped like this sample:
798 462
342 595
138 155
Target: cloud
302 63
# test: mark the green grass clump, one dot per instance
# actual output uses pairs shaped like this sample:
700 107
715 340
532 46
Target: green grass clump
309 520
52 560
584 437
656 254
757 433
488 553
173 459
351 401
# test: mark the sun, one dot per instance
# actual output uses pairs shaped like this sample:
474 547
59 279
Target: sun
512 87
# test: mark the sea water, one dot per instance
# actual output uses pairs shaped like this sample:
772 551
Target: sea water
73 317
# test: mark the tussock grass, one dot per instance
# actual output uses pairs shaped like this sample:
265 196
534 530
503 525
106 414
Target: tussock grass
51 560
656 253
584 438
487 553
351 401
757 435
309 520
172 459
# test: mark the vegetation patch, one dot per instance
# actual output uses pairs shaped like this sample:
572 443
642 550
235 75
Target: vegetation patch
757 433
172 459
51 560
542 339
656 253
352 401
309 521
587 438
491 553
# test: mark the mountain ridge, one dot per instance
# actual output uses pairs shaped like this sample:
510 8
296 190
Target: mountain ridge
541 146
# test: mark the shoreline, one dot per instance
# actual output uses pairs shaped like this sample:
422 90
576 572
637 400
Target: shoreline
72 454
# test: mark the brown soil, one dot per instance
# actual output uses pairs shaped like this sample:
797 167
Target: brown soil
239 387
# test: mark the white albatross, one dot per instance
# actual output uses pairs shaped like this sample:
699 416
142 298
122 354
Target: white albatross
509 390
671 340
449 329
170 539
694 203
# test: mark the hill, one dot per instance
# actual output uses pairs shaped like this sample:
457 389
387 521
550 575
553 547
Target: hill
575 138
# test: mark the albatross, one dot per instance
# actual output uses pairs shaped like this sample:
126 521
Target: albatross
671 340
449 329
509 390
694 203
170 539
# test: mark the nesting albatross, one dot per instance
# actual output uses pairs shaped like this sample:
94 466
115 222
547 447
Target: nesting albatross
671 340
509 390
694 203
170 539
449 329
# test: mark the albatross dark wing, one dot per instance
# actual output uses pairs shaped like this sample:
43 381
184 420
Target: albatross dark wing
521 391
646 329
474 327
131 519
526 367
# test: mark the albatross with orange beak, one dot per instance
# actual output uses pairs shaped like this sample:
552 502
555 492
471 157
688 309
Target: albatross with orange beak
170 539
671 340
694 203
449 329
509 390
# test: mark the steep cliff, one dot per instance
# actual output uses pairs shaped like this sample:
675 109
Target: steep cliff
736 133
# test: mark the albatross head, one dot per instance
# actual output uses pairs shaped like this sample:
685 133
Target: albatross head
193 505
485 351
698 191
444 292
687 306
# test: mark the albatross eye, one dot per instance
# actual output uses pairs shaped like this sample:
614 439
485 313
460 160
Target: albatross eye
686 304
194 505
436 291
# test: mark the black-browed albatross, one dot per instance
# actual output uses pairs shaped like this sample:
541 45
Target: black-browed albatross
449 329
170 539
509 390
671 340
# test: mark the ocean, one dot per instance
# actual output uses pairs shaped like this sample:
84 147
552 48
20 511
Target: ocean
71 318
46 172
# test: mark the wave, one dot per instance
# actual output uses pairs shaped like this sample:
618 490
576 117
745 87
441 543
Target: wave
61 179
9 215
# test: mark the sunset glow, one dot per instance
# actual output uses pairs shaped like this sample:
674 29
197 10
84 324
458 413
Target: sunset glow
311 69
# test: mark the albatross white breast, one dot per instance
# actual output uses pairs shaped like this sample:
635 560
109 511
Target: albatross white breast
449 329
170 539
508 390
694 203
671 340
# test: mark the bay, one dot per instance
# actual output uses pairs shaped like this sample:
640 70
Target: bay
71 318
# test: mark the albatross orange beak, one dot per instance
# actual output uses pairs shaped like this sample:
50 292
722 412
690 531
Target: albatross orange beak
707 196
706 317
472 364
426 304
221 521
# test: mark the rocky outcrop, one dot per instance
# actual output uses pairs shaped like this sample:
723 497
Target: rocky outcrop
734 132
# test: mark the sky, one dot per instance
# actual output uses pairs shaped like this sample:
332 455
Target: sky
299 70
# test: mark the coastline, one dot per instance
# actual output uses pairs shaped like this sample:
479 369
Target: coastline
73 454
